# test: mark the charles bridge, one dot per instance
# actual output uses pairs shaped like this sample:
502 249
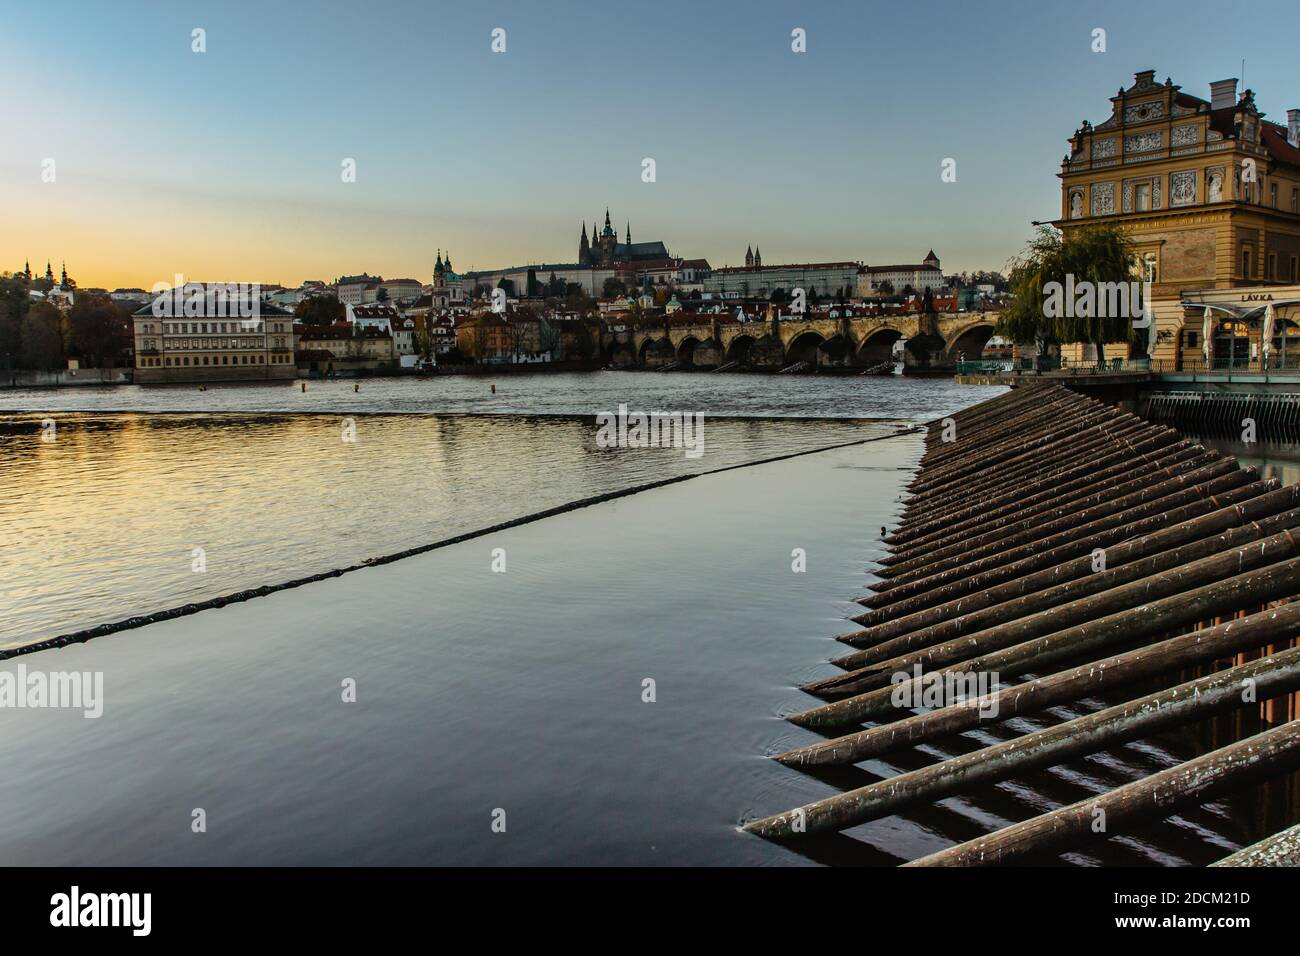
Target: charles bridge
930 342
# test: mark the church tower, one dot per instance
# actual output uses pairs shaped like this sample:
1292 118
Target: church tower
608 243
758 258
439 272
584 249
749 257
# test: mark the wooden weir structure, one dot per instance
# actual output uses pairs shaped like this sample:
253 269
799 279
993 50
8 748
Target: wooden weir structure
1053 549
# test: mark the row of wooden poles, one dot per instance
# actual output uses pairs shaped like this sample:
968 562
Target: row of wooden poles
1273 416
1065 549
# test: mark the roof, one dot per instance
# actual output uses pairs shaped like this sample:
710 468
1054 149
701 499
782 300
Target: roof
543 267
796 265
1274 137
252 304
919 267
641 250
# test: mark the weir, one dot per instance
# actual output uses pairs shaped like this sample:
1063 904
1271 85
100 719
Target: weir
1052 549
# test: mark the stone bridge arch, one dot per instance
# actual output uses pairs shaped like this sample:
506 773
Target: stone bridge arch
655 351
969 339
694 352
804 346
877 345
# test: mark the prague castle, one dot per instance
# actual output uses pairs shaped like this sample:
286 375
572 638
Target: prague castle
1208 192
604 251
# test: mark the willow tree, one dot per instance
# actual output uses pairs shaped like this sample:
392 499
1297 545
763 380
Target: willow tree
1046 275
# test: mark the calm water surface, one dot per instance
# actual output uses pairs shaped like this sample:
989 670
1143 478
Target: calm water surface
587 393
125 514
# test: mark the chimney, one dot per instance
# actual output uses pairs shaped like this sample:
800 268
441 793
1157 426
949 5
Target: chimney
1223 93
1293 127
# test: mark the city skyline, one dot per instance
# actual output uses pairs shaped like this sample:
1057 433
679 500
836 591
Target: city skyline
831 154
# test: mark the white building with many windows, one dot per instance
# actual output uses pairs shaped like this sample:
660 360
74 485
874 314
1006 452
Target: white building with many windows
893 280
212 333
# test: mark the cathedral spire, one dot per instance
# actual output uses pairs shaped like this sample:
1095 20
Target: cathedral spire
629 232
749 256
63 280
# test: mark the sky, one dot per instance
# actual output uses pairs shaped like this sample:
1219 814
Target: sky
227 165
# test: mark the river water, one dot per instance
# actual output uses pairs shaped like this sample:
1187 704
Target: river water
502 677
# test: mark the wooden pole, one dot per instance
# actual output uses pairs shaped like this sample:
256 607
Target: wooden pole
1014 500
1198 647
1068 525
1099 532
1056 512
1039 654
1280 849
880 627
1062 596
1248 761
1193 700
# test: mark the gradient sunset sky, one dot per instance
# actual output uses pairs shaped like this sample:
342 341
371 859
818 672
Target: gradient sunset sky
226 165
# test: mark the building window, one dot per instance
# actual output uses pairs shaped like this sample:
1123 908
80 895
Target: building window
1295 269
1149 271
1189 339
1272 266
1245 262
1143 192
1295 200
1272 195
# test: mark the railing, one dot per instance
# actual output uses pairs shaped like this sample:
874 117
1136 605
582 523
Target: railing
977 366
1103 366
1225 367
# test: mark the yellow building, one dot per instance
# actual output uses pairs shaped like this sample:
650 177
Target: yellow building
1208 191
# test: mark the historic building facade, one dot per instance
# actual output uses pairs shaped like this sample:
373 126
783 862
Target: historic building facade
212 335
926 274
1207 190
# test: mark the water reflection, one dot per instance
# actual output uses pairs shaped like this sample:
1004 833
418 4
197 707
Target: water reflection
113 517
1278 460
588 393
